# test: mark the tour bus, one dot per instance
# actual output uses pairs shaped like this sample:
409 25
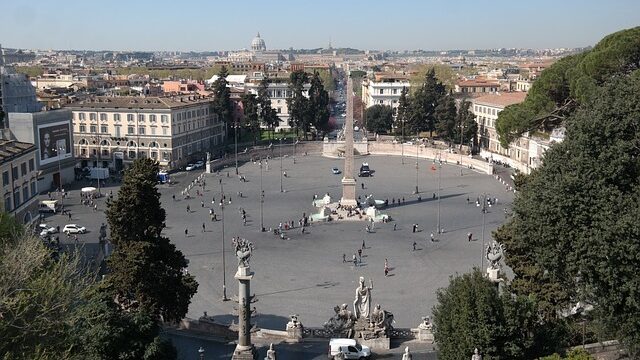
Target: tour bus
51 206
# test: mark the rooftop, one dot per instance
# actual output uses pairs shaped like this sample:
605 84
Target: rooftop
131 102
477 82
501 99
10 149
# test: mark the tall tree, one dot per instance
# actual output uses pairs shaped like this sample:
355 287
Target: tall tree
379 119
573 235
222 97
251 116
268 114
404 109
445 115
298 103
424 102
146 270
318 104
466 122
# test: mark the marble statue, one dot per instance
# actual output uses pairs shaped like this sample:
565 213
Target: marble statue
381 321
294 323
208 156
362 303
271 354
342 322
425 324
243 249
407 355
494 252
476 355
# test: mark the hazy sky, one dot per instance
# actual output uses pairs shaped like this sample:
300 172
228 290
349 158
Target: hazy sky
231 24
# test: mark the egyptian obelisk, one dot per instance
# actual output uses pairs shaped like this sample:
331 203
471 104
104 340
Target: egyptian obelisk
348 181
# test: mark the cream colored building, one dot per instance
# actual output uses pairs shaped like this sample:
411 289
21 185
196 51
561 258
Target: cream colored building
19 179
384 89
114 131
279 92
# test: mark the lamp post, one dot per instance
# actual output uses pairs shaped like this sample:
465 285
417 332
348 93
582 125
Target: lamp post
224 267
484 211
402 141
439 229
280 151
60 148
261 199
235 135
417 148
294 150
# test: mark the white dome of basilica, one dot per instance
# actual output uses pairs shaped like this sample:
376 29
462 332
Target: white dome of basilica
257 44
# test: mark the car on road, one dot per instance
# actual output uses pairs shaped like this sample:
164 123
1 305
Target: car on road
74 229
199 164
190 167
335 170
46 230
364 170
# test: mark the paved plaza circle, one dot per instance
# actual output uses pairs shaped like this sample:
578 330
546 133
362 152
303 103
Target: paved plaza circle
305 274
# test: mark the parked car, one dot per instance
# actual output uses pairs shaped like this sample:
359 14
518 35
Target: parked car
74 229
349 348
364 170
335 170
46 229
199 164
190 167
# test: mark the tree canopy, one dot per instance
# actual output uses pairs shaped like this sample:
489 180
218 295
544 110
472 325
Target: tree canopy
222 97
569 82
574 234
379 119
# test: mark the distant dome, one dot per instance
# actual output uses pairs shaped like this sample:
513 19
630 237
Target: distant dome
257 44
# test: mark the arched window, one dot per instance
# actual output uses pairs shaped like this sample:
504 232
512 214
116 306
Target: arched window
105 143
132 144
82 142
153 144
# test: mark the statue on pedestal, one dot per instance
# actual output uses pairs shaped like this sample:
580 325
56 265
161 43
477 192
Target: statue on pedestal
362 303
342 322
494 253
242 248
407 355
208 156
271 354
476 355
381 321
425 324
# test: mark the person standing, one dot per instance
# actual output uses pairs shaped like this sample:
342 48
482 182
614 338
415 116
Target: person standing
188 209
344 257
432 238
360 254
386 268
414 245
186 232
355 260
394 227
203 227
469 236
363 246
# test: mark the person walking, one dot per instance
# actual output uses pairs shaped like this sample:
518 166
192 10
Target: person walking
201 203
432 238
360 254
362 184
203 227
69 213
414 245
414 228
386 268
186 232
395 226
469 237
344 257
355 260
173 197
363 246
188 209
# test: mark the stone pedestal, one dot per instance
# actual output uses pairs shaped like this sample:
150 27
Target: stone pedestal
244 349
348 192
493 274
382 343
425 335
208 167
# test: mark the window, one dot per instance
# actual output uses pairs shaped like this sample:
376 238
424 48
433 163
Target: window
23 169
16 198
83 152
153 130
105 152
130 130
92 116
103 117
395 91
165 130
130 117
25 193
83 128
31 165
164 118
132 154
93 128
33 188
5 178
117 128
179 116
82 116
116 117
14 173
152 118
381 91
103 129
141 130
154 155
7 203
141 117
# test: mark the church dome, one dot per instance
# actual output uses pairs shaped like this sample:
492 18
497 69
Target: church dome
257 44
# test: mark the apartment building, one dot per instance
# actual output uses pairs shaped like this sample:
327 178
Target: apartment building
174 130
279 92
475 86
19 178
384 89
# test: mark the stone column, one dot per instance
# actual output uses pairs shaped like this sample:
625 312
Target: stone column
348 181
244 349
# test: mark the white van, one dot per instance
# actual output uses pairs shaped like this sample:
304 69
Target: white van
350 348
51 206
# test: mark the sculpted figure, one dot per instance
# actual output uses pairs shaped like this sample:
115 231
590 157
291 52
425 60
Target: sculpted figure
476 355
407 355
381 320
362 303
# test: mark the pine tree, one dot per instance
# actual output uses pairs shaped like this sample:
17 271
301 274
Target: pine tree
403 112
251 117
318 104
445 115
222 97
146 270
298 104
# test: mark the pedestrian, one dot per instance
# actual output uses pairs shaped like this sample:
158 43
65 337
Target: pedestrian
95 207
434 196
394 227
355 260
75 239
432 239
173 197
403 199
203 227
414 245
360 254
244 221
188 209
201 203
344 257
362 184
469 236
69 213
186 232
467 200
363 246
414 227
386 268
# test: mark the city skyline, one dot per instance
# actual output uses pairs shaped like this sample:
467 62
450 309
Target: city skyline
224 26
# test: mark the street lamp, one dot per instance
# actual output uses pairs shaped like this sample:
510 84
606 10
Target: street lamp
417 148
280 151
294 150
484 211
224 267
439 187
261 199
402 140
235 135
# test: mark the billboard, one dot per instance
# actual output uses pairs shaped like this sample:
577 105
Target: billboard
54 142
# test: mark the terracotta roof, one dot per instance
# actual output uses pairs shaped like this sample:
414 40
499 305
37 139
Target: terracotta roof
501 99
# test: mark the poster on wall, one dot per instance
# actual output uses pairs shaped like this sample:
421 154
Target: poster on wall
54 142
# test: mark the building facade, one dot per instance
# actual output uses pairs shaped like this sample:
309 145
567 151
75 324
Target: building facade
477 86
51 132
384 89
114 131
19 179
279 92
